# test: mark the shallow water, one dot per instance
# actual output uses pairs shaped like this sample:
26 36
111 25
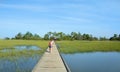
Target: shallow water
18 64
27 47
93 61
20 48
23 62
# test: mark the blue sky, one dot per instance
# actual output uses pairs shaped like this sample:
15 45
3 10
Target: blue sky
96 17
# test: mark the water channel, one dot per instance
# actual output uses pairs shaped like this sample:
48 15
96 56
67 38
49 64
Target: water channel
93 61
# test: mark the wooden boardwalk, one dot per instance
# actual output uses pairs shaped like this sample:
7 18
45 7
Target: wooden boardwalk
50 62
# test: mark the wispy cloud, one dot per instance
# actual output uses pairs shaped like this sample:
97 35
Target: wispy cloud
25 7
75 19
48 7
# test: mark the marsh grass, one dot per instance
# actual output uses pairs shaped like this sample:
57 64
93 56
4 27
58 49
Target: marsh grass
65 46
9 44
12 43
88 46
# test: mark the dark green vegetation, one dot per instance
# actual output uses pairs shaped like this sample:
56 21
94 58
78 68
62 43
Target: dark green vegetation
62 36
88 46
9 44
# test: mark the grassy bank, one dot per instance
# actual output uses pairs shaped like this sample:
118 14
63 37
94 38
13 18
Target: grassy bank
9 44
88 46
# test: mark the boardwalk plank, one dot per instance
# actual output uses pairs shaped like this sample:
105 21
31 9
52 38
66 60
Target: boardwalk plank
50 62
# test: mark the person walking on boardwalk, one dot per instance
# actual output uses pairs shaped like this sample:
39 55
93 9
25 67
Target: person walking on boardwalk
50 45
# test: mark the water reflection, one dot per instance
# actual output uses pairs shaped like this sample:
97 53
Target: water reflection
20 48
27 47
6 50
19 59
18 64
93 62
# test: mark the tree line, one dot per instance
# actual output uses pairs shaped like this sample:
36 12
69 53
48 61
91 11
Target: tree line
61 36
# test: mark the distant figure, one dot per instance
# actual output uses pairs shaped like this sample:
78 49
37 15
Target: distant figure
51 45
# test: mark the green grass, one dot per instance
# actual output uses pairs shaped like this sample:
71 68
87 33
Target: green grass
11 43
88 46
65 46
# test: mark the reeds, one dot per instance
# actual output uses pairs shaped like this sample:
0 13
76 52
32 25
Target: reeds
88 46
9 44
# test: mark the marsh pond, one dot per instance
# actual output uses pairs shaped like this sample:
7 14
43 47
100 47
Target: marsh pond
93 61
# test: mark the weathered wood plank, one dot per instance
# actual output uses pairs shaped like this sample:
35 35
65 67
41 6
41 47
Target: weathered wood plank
50 62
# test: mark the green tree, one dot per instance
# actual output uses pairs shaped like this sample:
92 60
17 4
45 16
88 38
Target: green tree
84 37
36 37
60 35
28 36
103 38
19 36
119 37
94 38
79 36
73 36
7 38
50 34
115 37
46 37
